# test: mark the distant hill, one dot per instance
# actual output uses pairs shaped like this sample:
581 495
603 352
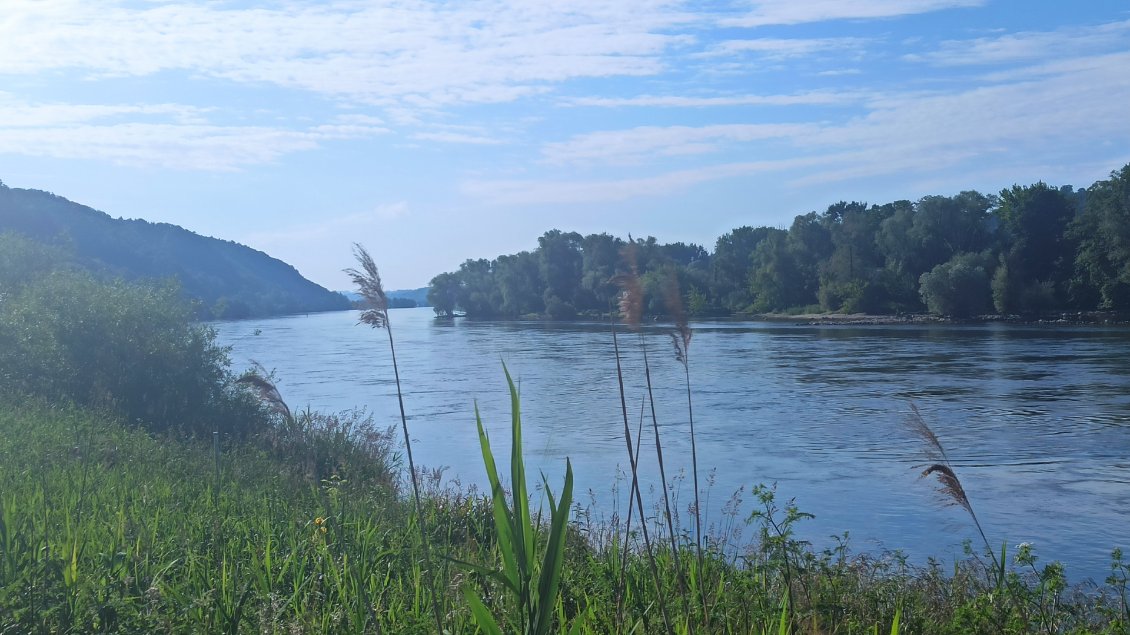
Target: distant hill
400 299
230 280
419 296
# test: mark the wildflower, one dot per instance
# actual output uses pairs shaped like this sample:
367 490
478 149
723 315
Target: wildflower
319 521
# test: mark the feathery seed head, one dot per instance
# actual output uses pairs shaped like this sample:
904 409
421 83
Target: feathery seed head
368 282
631 291
681 336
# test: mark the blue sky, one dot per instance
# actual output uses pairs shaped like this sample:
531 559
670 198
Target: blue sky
433 132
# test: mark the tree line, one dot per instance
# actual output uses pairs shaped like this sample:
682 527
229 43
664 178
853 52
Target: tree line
1024 250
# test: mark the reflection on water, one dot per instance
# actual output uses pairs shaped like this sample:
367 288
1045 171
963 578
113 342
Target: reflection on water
1036 420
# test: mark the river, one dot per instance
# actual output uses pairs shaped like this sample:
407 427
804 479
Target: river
1035 420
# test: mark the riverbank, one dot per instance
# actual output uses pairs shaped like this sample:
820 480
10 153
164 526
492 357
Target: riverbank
1065 318
310 532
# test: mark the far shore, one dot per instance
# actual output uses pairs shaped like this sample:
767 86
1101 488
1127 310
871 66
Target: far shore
1106 318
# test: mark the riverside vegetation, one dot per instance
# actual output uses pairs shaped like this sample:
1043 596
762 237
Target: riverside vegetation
121 511
1027 251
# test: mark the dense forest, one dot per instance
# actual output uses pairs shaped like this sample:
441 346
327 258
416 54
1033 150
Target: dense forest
228 280
1025 250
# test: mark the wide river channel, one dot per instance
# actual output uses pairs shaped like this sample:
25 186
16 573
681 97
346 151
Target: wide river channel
1035 420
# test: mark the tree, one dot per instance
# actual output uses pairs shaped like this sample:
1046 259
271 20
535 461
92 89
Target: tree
731 265
478 293
600 257
520 283
958 287
1102 231
443 294
775 281
561 264
1037 253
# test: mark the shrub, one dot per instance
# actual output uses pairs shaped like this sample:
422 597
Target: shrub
959 287
131 349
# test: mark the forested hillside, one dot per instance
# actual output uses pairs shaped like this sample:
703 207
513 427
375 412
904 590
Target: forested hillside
1024 250
228 279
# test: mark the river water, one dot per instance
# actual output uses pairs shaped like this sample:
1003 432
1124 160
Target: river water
1035 420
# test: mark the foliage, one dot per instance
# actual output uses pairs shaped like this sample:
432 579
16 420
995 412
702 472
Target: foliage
1102 266
531 580
130 349
1048 249
959 287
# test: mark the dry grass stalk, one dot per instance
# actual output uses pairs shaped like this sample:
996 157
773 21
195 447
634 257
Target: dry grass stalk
368 281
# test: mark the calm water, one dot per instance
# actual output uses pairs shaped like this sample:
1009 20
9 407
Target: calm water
1036 421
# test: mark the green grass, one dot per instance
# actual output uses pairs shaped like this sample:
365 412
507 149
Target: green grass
105 528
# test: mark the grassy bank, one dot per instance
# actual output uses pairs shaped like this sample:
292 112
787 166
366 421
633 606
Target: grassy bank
109 529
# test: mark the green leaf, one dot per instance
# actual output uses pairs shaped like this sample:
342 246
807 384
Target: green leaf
483 619
502 519
550 578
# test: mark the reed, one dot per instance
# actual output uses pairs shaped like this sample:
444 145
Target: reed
369 286
631 309
633 462
681 339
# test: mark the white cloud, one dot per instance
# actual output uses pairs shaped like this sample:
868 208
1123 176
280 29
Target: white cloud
777 49
1027 46
412 52
771 12
816 97
530 192
1051 111
637 145
160 135
457 137
338 227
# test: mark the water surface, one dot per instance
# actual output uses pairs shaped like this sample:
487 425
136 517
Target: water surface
1035 420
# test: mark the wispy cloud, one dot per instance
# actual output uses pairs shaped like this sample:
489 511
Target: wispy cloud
330 227
773 12
409 52
161 135
810 98
563 192
1075 103
1028 46
636 145
778 49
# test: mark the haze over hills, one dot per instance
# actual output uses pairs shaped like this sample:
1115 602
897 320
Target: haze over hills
228 279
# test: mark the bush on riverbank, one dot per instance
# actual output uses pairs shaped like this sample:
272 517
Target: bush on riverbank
131 349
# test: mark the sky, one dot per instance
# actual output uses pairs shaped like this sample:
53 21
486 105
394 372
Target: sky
436 131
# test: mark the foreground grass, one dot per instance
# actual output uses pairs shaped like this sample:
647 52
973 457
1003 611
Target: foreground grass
104 528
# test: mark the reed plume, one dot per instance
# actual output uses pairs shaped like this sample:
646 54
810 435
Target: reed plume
949 485
681 338
258 379
631 305
368 282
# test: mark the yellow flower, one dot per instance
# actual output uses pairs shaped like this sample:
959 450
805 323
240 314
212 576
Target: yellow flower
322 529
319 521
